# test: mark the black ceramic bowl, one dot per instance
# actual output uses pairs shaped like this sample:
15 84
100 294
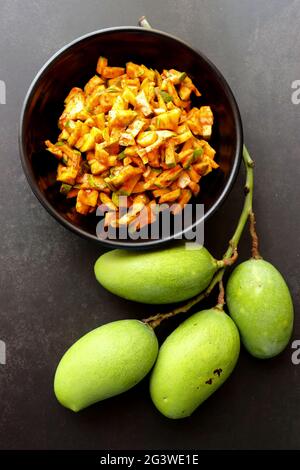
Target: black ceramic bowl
73 65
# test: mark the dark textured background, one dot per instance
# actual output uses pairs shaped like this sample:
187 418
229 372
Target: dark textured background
49 296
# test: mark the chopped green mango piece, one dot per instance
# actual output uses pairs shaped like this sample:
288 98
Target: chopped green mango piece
65 188
165 96
115 198
121 155
166 177
198 152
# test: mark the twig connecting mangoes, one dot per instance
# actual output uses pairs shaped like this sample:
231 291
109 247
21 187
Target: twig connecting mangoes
200 354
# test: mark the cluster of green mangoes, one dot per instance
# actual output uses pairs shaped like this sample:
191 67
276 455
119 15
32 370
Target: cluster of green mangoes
200 354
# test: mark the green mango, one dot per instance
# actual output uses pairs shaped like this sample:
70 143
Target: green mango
105 362
260 303
156 277
193 362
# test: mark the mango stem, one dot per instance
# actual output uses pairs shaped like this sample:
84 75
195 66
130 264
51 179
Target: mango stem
230 260
254 237
230 254
221 297
144 23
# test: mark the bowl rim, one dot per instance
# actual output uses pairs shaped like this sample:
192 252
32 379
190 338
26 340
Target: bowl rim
120 243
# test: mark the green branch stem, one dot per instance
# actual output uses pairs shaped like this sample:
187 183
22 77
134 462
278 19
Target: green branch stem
231 253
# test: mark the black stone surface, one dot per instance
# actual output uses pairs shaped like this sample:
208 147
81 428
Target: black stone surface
49 296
